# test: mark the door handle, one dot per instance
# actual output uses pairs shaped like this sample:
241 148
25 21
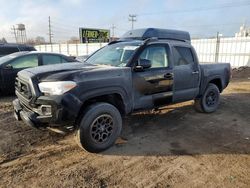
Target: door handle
168 75
195 72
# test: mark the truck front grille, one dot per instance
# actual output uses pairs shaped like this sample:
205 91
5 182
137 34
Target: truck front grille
23 88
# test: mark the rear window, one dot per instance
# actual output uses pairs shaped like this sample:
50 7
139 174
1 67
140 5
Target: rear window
5 50
183 56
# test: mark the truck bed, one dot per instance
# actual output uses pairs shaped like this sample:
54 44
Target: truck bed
217 71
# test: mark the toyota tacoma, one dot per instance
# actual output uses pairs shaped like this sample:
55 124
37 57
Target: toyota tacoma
145 69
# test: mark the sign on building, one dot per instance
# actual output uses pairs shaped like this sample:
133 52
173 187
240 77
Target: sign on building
94 35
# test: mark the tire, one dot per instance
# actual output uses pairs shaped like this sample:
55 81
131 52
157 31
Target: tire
99 127
209 101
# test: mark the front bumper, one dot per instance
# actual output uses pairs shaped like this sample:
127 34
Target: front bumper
63 111
28 117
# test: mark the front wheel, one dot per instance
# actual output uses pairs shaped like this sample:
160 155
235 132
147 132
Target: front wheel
99 127
209 101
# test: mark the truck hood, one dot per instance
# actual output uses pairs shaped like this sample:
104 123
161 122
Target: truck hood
65 71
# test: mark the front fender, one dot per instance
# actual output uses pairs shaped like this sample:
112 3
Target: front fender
126 96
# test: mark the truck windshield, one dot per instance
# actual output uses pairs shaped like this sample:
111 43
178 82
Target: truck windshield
117 54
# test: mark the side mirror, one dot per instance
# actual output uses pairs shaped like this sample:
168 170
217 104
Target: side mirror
8 66
143 64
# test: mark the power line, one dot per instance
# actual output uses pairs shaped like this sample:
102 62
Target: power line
66 31
63 28
199 9
215 25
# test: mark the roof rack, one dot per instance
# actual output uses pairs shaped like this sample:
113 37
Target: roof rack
150 40
147 33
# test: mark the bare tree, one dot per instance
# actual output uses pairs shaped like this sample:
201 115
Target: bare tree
40 40
31 41
3 40
73 40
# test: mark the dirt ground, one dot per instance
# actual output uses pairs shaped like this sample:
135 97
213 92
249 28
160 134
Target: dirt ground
173 147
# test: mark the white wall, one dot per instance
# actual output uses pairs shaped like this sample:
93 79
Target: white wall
235 51
71 49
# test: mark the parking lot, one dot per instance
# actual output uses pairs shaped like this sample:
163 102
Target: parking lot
172 147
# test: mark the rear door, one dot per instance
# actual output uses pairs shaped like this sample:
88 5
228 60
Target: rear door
186 74
153 86
11 69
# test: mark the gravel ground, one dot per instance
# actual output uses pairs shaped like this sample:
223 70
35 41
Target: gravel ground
173 147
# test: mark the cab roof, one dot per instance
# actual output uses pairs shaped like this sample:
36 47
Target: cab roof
146 33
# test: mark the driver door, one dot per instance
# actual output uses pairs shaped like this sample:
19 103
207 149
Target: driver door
153 86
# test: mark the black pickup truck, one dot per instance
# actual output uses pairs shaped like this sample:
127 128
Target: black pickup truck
145 69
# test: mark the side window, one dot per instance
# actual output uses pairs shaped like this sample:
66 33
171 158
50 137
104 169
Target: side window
157 55
182 56
51 59
126 55
25 62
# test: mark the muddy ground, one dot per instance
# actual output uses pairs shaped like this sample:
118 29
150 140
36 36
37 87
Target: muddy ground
173 147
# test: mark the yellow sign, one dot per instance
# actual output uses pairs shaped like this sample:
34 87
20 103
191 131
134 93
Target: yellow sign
94 35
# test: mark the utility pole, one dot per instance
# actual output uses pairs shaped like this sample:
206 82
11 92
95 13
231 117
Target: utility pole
132 19
113 31
50 32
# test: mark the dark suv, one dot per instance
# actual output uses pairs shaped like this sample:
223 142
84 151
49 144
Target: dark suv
6 49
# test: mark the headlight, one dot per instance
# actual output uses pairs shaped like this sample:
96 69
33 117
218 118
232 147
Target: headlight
56 88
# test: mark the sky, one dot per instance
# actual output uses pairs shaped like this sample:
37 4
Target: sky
201 18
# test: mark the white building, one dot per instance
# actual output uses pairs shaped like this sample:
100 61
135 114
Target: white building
244 32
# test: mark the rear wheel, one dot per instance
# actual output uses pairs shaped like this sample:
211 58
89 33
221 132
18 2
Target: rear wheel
99 127
209 101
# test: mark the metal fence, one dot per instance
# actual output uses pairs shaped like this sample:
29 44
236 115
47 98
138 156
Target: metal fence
71 49
235 51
